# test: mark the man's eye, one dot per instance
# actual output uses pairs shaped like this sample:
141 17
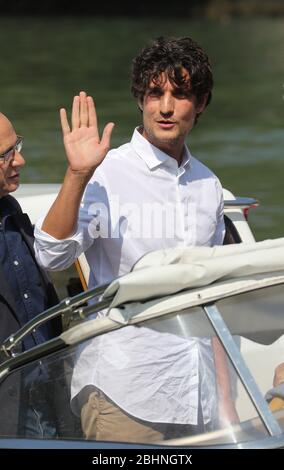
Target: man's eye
181 95
154 92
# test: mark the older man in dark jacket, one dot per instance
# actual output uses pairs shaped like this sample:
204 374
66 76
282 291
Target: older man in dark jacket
25 289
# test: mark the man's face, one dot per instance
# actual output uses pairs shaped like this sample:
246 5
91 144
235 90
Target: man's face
9 170
169 115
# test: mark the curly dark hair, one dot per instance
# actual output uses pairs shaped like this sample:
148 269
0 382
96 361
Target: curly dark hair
170 55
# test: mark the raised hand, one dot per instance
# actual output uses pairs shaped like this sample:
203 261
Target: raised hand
84 148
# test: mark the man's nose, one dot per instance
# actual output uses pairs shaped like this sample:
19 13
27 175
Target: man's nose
18 160
167 105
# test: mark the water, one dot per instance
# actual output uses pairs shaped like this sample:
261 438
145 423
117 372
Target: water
44 62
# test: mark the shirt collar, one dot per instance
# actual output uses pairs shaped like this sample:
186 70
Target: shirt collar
152 156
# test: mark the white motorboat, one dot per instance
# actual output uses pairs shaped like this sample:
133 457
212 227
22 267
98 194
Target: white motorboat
232 294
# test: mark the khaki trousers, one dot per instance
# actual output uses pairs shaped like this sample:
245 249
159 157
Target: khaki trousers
102 420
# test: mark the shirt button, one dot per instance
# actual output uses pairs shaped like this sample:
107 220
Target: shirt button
16 263
26 296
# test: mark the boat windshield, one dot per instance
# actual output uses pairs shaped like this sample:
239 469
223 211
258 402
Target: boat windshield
169 374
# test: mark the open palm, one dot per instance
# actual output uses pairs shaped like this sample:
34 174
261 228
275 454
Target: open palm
84 148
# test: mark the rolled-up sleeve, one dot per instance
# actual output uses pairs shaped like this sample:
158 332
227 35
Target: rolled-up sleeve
54 254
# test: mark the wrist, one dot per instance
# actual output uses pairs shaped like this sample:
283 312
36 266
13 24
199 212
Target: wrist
80 175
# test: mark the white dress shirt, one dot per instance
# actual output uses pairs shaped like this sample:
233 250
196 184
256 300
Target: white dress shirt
140 200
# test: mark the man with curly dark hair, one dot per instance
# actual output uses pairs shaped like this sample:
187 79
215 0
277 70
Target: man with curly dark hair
175 68
182 60
146 195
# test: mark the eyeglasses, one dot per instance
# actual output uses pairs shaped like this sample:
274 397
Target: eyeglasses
10 153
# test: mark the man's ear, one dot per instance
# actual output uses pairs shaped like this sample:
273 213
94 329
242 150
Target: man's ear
202 104
140 105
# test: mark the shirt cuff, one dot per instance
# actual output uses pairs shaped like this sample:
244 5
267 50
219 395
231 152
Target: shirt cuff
54 254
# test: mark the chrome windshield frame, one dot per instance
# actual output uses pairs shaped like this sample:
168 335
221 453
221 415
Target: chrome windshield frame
248 381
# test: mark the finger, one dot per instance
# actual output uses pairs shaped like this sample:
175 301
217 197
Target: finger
64 122
105 142
75 112
83 109
93 122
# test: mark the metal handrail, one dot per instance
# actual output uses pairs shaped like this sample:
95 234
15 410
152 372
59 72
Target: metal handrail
66 306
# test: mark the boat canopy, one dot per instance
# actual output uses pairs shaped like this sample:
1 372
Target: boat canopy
166 272
172 280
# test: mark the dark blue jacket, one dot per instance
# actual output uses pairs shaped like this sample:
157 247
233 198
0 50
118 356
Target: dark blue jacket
9 322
